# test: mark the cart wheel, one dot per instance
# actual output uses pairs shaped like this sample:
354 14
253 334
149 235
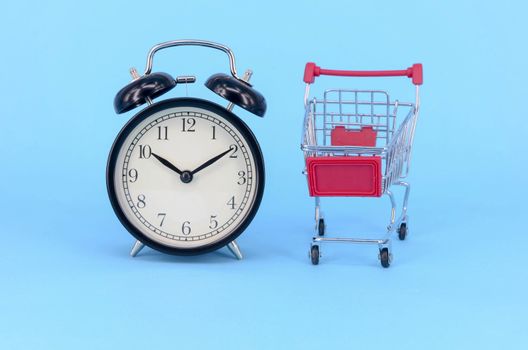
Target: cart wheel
321 227
314 254
385 257
402 231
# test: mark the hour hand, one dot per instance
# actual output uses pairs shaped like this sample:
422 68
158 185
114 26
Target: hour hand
167 164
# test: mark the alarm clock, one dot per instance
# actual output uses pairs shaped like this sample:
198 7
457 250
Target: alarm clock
185 176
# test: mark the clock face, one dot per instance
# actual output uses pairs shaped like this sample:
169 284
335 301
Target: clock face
185 176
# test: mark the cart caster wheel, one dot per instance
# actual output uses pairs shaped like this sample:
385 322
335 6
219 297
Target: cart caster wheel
402 231
321 227
385 257
314 254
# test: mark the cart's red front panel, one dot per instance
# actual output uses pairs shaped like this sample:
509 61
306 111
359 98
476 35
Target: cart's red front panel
344 176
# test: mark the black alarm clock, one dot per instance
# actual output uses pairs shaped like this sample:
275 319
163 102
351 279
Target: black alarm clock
185 176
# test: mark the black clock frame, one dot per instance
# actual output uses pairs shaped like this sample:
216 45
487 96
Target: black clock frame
185 102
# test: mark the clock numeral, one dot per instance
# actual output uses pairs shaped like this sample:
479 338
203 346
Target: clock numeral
212 222
188 124
186 228
214 132
231 203
162 216
234 149
163 132
241 177
145 151
132 175
141 201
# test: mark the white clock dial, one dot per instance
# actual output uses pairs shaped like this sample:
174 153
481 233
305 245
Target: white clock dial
185 177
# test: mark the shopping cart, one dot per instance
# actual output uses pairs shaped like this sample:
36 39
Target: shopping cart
352 148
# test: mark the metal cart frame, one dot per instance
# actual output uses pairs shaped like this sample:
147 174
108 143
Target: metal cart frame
348 129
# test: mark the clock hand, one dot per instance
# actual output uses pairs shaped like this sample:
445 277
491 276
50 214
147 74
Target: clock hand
167 163
211 161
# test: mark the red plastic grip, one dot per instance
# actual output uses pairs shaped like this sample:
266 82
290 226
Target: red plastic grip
415 72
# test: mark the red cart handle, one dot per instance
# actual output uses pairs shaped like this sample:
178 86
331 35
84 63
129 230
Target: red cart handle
415 73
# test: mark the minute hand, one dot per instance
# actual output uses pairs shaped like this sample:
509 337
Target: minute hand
210 161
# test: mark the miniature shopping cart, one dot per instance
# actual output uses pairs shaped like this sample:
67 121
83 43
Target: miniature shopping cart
357 143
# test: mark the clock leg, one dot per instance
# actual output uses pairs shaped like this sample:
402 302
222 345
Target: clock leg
136 248
233 247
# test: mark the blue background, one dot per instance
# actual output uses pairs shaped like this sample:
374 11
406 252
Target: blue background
458 282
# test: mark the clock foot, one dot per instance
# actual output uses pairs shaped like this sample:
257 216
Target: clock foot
136 248
233 248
